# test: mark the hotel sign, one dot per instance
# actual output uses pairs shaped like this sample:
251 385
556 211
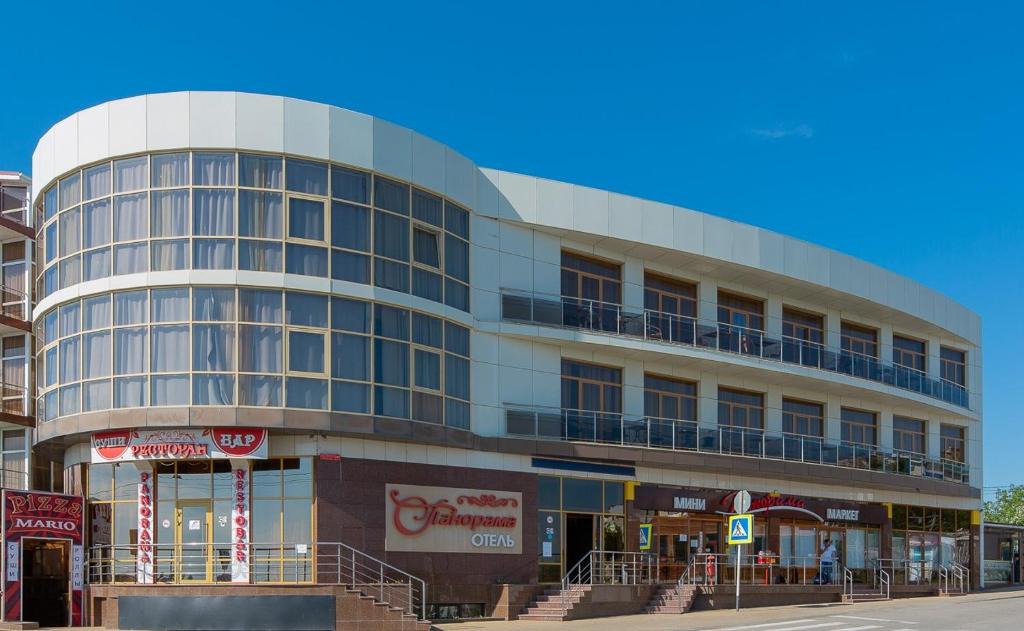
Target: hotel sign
179 444
443 519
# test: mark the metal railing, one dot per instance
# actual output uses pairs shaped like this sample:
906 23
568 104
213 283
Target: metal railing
956 575
15 399
322 563
14 479
14 303
609 428
600 567
759 569
614 319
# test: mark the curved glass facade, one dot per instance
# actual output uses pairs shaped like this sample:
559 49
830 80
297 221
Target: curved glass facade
243 211
228 346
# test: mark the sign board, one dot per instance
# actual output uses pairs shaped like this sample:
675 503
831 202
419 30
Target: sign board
741 529
38 515
645 536
741 502
443 519
179 444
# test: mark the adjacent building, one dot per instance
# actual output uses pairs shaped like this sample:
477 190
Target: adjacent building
271 331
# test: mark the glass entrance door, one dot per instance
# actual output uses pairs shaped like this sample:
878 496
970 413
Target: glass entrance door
195 542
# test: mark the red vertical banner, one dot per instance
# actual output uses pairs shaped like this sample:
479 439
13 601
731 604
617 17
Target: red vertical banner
37 515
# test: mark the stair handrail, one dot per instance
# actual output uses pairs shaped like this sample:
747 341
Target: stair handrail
684 580
944 578
963 576
847 583
578 575
372 575
883 578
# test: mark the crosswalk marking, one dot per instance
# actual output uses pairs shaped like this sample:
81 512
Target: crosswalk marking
765 625
777 626
863 628
873 619
824 624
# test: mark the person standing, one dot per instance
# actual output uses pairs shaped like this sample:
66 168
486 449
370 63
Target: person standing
828 560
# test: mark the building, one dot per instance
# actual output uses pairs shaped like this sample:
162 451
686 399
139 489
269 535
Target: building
274 334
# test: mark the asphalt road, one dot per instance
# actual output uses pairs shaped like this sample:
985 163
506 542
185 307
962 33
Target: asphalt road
1001 610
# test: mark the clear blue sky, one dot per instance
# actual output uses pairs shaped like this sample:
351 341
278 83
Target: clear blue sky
891 131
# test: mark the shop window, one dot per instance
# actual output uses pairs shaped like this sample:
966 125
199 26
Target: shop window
582 495
549 492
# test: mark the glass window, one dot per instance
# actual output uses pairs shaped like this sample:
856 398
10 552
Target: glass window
350 356
803 418
96 264
306 309
131 258
96 346
303 176
306 352
170 213
456 220
350 185
213 169
350 266
391 363
96 312
131 217
350 315
259 305
909 353
170 169
427 407
50 239
426 207
858 426
392 402
50 202
307 393
213 347
170 348
737 408
130 307
908 435
70 271
70 191
426 330
306 219
213 212
390 195
96 181
307 260
391 275
953 365
69 318
391 322
350 397
259 390
169 255
425 248
213 304
859 340
95 224
170 304
456 339
213 390
582 495
426 284
428 369
259 256
213 253
260 214
130 350
131 174
952 443
391 236
260 348
69 359
665 397
70 231
740 311
259 171
96 395
456 376
456 258
350 226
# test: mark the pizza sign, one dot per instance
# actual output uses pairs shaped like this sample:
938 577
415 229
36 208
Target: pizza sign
179 444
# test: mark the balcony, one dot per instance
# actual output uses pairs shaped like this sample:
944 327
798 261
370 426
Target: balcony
14 216
16 406
15 311
667 328
647 432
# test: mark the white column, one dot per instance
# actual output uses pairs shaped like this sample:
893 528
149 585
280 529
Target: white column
707 404
773 410
833 328
932 363
833 424
885 429
933 438
707 300
885 342
633 284
773 317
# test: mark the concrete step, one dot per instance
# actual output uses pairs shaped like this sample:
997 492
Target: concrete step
541 617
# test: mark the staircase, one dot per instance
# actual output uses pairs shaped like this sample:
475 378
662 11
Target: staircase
556 604
382 613
676 598
954 580
853 593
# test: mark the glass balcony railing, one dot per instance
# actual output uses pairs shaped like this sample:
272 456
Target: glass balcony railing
648 432
656 326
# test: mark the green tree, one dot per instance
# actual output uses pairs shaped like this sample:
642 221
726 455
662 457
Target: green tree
1007 507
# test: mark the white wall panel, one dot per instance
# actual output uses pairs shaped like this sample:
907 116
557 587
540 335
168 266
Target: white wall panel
212 119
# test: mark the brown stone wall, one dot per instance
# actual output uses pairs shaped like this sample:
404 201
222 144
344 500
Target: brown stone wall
351 509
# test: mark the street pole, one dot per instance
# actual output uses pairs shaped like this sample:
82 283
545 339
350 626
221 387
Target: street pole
739 553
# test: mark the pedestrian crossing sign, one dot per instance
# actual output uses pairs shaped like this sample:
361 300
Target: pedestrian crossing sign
741 529
645 536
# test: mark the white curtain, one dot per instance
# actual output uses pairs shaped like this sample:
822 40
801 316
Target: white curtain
306 260
97 181
170 348
170 169
216 304
130 350
261 390
131 217
70 232
96 395
131 258
130 174
70 271
170 390
260 214
303 176
96 347
96 312
170 305
69 360
213 169
259 256
213 389
96 224
50 362
70 191
130 392
170 213
213 347
259 305
68 320
306 219
213 212
170 255
259 348
259 171
213 254
130 307
70 402
96 264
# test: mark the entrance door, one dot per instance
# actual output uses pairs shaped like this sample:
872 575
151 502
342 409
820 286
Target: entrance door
195 540
579 538
46 582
